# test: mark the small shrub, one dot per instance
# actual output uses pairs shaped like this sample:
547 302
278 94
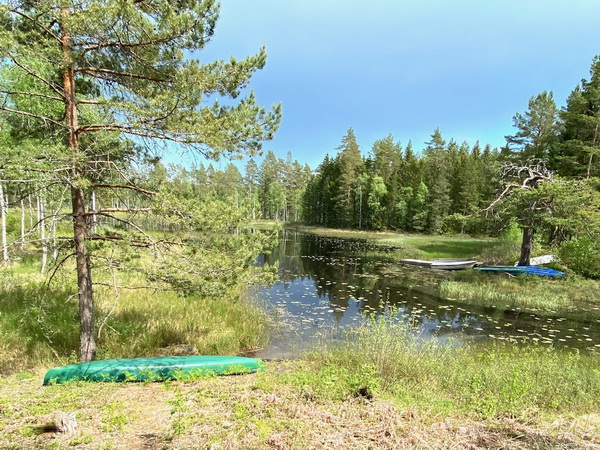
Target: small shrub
582 256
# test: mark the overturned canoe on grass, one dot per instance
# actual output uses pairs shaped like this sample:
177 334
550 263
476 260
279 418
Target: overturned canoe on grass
152 369
523 270
442 263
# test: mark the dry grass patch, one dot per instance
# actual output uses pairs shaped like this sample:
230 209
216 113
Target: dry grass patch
253 411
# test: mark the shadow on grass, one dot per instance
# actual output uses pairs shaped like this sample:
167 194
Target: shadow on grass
37 323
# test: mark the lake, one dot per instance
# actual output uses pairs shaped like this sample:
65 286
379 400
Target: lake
328 286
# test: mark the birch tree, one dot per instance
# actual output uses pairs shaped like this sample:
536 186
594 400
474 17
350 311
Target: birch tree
5 259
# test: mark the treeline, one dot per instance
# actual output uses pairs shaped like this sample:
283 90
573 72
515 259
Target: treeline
395 188
272 190
442 188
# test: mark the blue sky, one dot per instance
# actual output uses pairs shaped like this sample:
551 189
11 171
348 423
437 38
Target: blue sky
406 67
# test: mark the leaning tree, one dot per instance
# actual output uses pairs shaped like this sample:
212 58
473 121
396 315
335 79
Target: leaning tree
97 83
541 202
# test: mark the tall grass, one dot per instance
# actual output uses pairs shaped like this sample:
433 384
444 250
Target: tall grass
486 381
39 323
572 296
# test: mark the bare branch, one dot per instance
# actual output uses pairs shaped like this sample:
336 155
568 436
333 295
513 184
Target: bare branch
122 186
58 267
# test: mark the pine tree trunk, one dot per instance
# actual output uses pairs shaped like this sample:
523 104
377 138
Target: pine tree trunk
87 342
87 345
5 260
526 246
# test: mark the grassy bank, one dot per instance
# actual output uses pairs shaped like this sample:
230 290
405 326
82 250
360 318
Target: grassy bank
39 324
388 358
572 297
385 390
407 245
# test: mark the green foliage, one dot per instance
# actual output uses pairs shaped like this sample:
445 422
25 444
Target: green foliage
539 128
399 190
581 255
579 151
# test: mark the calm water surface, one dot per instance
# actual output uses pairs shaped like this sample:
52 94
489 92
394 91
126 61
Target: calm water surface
327 286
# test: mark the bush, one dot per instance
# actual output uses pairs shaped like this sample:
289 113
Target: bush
582 255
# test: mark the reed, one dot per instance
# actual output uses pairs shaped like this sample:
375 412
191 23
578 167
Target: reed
483 381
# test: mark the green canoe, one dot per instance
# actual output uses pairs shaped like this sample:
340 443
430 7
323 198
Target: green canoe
154 369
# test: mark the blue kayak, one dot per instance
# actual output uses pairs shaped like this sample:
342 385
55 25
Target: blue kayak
523 270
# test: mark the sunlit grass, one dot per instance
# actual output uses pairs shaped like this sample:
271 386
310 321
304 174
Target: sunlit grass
562 296
39 323
389 359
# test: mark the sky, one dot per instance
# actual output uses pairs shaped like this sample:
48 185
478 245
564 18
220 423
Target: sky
405 67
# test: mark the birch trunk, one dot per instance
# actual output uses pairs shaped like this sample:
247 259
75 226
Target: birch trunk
30 211
42 225
94 215
54 241
3 209
22 225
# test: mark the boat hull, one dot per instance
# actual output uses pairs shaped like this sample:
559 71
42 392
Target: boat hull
523 270
443 264
152 369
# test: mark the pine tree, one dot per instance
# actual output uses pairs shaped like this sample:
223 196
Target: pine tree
387 160
579 152
539 128
350 165
437 176
105 70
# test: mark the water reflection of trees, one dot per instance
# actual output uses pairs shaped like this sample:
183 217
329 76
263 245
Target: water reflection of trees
344 273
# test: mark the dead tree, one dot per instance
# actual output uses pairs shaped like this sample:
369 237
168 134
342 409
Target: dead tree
522 178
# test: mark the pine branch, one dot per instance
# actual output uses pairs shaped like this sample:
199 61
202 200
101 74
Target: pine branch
36 116
36 23
134 132
134 242
33 94
131 224
48 83
113 210
94 72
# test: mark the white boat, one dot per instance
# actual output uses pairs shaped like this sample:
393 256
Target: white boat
442 263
